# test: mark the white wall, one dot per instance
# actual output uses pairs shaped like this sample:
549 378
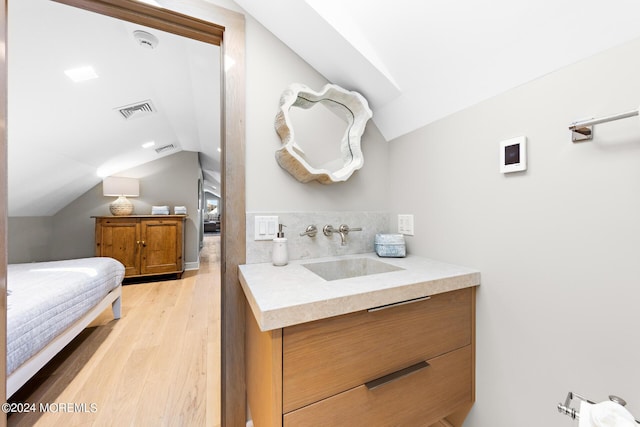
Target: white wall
271 68
558 246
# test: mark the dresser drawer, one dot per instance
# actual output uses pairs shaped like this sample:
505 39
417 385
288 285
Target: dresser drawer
418 399
327 357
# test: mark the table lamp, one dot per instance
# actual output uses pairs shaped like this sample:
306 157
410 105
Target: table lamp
121 187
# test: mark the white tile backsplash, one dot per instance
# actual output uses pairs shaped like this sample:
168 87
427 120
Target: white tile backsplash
304 247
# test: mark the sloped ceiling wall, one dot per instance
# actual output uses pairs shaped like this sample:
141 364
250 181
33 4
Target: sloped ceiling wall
415 62
419 61
64 136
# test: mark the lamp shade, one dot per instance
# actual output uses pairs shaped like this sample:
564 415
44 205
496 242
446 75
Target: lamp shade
119 186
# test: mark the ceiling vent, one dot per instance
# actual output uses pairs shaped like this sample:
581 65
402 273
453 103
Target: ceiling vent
165 148
139 109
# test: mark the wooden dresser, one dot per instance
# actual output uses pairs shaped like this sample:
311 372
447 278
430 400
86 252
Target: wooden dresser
410 364
146 244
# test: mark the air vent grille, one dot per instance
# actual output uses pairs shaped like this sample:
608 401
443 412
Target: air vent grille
139 109
165 148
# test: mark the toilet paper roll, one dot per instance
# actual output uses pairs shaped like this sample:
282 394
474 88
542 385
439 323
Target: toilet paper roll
585 414
605 414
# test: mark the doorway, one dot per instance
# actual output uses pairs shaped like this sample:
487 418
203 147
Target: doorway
195 20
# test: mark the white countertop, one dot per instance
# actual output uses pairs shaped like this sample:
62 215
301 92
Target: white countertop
292 294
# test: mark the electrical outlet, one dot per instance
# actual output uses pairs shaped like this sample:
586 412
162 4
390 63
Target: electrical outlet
405 224
266 227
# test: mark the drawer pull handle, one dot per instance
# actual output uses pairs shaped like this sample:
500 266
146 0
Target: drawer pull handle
396 304
396 375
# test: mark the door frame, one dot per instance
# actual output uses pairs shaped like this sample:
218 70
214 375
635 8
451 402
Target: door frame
206 22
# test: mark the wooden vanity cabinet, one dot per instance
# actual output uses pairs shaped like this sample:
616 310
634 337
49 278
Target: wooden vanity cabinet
407 365
146 245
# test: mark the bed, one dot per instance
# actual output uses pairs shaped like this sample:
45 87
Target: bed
49 304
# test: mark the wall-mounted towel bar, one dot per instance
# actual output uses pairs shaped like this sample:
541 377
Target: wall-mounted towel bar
574 414
583 130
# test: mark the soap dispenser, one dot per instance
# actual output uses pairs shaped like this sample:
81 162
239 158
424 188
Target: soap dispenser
280 255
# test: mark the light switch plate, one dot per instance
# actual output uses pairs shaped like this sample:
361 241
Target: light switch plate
266 227
405 224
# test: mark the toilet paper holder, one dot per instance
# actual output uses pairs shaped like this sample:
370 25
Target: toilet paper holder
574 414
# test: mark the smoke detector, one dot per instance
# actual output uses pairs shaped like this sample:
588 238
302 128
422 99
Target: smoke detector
146 40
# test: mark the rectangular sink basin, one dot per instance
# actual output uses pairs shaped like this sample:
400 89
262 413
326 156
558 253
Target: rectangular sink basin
348 268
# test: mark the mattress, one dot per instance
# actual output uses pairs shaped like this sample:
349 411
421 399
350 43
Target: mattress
45 298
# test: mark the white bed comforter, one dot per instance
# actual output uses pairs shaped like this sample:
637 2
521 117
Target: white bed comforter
46 298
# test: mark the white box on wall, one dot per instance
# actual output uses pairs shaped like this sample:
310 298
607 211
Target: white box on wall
513 155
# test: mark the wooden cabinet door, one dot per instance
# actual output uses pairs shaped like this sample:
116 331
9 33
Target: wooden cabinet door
161 246
328 356
118 238
418 399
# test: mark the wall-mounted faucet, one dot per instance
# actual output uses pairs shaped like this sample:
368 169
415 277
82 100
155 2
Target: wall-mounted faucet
328 230
311 231
344 229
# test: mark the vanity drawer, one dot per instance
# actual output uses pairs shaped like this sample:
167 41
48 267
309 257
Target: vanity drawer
418 399
327 357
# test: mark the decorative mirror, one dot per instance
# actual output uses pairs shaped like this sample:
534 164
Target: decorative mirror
313 155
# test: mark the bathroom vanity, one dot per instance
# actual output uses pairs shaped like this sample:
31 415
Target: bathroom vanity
358 340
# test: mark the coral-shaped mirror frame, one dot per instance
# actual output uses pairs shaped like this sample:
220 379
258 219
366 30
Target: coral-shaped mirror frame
351 105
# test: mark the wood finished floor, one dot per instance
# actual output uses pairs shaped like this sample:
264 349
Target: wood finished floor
159 365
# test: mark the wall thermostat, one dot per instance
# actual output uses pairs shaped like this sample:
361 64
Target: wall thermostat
513 155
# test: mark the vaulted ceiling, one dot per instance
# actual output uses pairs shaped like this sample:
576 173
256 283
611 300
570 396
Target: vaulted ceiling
419 61
65 136
415 62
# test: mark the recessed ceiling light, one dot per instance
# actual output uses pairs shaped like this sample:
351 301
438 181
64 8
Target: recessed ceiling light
219 150
148 144
81 74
